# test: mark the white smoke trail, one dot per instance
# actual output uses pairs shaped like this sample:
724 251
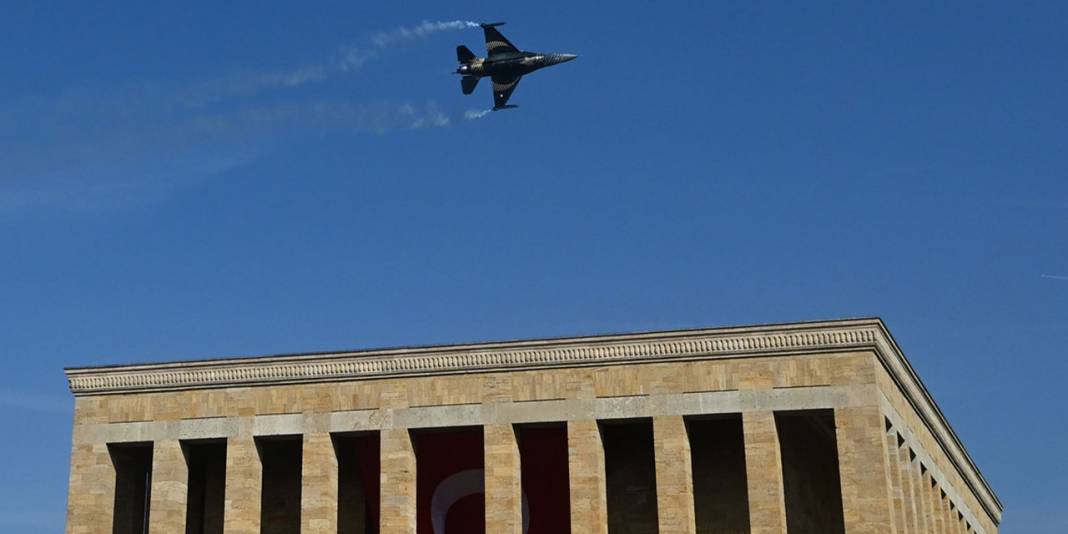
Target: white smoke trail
1055 277
353 57
422 31
346 60
475 114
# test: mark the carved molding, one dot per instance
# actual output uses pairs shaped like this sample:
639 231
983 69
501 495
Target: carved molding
393 363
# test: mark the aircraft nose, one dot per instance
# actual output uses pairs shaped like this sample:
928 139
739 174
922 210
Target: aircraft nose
564 58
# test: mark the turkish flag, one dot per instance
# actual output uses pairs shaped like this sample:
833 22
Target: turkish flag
546 492
451 481
450 492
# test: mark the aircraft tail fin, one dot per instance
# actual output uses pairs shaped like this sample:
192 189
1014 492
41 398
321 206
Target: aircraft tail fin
468 84
464 55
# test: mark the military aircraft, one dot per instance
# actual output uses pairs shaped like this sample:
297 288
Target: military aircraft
504 63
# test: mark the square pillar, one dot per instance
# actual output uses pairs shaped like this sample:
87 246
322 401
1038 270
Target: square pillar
318 485
763 472
897 489
674 476
398 483
950 515
244 481
923 514
91 501
925 498
504 492
586 473
865 476
908 489
170 488
936 506
959 521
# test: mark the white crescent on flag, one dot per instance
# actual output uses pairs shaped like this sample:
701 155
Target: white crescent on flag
456 487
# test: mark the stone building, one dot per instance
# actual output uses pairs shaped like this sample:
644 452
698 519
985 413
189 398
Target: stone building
811 427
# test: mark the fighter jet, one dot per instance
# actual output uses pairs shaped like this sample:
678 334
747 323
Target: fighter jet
504 63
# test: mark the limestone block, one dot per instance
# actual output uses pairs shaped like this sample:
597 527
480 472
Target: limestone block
865 473
586 474
90 504
504 494
763 466
897 491
674 476
318 490
923 512
908 489
170 487
244 477
397 477
936 508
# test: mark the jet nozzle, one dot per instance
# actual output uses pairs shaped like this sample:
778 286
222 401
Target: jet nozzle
491 24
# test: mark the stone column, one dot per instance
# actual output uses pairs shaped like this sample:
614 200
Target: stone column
962 526
244 481
923 515
936 505
586 474
928 504
397 478
897 492
951 516
948 516
866 504
908 488
318 485
763 472
170 487
504 493
674 476
91 501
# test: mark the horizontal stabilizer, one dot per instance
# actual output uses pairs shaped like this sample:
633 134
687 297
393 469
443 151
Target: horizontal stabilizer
464 55
468 84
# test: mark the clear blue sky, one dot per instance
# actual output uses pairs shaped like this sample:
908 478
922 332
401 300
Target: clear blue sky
204 180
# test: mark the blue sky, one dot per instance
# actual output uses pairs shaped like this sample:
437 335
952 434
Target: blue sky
203 180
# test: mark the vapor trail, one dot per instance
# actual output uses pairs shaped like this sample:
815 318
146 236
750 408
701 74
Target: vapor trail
1055 277
346 60
475 114
134 143
422 31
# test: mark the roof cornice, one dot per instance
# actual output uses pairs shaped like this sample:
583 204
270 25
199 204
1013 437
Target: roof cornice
763 340
715 343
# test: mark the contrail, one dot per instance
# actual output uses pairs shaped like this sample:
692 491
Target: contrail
1055 277
127 144
475 114
353 57
346 60
422 31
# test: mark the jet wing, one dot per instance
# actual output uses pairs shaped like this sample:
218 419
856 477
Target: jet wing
497 44
502 89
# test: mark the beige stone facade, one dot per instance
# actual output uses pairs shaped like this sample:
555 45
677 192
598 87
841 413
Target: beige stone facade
826 425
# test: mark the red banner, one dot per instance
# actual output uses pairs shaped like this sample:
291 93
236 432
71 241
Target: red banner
451 481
